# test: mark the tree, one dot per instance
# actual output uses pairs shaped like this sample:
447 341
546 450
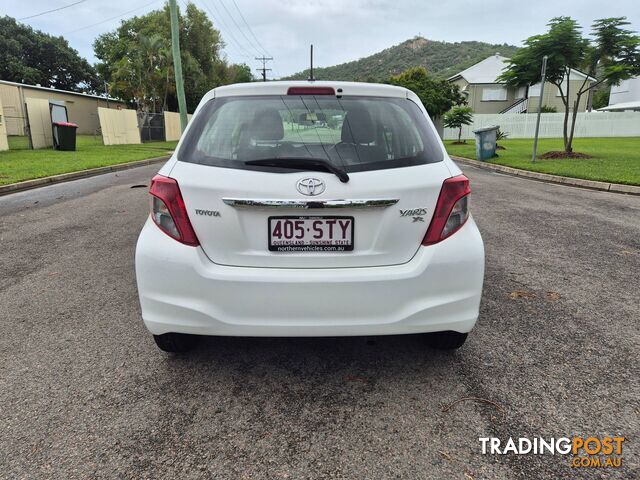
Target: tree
239 73
611 55
33 57
438 96
601 97
137 62
457 117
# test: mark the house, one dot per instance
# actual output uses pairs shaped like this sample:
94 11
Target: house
81 108
625 96
485 95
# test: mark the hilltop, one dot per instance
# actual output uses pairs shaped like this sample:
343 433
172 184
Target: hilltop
441 59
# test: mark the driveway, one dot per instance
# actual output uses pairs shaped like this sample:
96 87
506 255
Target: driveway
85 393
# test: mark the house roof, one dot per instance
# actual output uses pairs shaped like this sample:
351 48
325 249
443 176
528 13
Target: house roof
485 71
626 91
38 87
489 69
581 75
635 105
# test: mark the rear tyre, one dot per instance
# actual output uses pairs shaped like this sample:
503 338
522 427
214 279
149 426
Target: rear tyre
175 342
448 340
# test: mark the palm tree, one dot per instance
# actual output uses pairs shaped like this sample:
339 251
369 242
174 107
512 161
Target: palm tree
153 53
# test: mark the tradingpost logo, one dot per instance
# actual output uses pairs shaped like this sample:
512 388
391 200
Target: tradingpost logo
584 452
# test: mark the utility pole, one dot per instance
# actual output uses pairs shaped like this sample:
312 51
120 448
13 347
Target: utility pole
543 75
311 77
264 68
177 64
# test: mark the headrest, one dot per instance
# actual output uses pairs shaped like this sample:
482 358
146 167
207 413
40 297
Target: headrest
267 125
358 126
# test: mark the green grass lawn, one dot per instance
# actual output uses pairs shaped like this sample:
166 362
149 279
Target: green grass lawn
18 143
19 163
615 160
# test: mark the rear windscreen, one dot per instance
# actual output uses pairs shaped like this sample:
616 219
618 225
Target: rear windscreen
355 133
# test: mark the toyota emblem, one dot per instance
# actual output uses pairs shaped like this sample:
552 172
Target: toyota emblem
310 186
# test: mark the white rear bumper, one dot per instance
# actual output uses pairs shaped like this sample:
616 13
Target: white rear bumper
182 291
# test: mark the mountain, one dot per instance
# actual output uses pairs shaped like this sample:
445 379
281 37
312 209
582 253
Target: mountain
441 59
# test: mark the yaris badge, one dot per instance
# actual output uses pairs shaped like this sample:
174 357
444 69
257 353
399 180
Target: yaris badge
310 186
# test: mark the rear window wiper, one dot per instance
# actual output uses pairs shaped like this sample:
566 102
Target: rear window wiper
302 163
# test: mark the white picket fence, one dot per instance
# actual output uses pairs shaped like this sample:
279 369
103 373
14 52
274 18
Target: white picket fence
522 125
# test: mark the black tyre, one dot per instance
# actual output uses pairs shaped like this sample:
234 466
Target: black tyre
175 342
448 340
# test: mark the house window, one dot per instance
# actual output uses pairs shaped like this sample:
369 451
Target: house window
534 90
521 92
494 94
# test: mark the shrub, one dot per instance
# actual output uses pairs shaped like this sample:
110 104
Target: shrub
457 117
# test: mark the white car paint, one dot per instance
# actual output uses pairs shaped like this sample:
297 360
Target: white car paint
232 285
235 239
182 291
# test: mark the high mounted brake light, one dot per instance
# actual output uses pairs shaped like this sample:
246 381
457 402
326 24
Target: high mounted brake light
169 212
311 91
452 210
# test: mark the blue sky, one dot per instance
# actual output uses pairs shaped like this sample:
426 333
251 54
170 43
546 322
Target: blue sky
340 30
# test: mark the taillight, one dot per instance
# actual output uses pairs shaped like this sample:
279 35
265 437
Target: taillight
169 212
452 210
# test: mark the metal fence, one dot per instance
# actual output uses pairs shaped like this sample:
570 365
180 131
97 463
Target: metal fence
522 125
151 126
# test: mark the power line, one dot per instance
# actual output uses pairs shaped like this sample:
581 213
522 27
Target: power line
51 11
112 18
249 28
237 44
238 27
240 49
276 71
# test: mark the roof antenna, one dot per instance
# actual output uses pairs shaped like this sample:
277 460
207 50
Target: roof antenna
311 79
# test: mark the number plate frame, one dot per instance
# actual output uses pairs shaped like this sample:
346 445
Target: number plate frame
306 248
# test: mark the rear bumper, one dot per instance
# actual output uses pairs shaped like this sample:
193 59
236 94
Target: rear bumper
182 291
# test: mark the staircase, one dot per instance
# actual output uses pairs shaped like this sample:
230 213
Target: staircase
519 106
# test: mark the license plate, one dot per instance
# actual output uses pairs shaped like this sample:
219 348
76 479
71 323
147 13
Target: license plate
310 234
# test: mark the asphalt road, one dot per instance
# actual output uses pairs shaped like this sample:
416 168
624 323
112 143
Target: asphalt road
85 393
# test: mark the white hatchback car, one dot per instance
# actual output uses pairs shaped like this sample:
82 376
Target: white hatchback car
309 209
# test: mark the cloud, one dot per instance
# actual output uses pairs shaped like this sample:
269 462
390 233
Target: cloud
341 30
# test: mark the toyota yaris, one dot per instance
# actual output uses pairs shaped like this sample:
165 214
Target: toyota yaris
309 209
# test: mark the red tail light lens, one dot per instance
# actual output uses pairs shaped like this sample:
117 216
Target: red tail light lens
452 210
169 212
